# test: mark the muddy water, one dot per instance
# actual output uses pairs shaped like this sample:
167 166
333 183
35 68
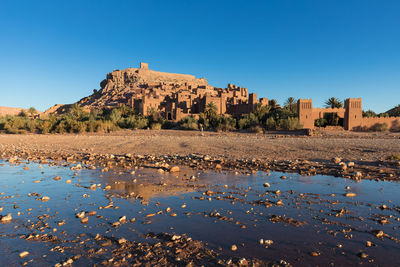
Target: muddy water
310 220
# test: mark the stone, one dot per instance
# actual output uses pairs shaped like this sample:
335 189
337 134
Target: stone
336 160
23 254
174 169
234 248
7 218
267 185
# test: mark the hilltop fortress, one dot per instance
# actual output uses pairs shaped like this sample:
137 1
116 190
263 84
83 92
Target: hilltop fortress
173 95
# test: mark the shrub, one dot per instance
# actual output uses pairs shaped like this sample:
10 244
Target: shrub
248 121
225 123
105 126
290 124
188 123
134 122
45 127
31 125
321 122
115 115
270 124
169 125
60 128
155 126
22 113
380 127
255 129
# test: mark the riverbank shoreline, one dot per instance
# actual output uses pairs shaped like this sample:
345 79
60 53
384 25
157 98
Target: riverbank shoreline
342 154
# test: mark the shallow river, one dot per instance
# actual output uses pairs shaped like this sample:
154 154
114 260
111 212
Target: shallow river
309 220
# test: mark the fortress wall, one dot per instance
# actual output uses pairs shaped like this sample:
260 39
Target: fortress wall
392 122
318 113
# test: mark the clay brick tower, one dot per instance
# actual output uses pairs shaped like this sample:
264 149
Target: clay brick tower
304 110
353 113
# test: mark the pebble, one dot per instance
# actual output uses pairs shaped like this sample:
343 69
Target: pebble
234 248
174 169
6 218
23 254
267 185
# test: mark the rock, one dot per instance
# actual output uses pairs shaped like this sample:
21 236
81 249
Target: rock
175 237
234 248
283 177
122 219
267 185
7 218
314 253
23 254
350 164
368 244
122 241
336 160
85 220
218 167
68 181
80 214
363 255
350 194
358 174
45 198
57 178
174 169
268 242
379 234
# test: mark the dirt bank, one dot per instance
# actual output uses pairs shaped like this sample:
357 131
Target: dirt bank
274 150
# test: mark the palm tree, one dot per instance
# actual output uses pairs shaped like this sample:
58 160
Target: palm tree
273 103
291 104
290 101
210 110
333 102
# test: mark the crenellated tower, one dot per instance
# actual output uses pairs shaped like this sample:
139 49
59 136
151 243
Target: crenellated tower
304 110
353 113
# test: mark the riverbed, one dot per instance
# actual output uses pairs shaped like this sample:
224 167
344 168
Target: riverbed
64 214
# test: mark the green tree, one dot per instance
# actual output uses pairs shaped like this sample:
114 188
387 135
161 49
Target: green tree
210 111
369 113
291 104
32 111
333 102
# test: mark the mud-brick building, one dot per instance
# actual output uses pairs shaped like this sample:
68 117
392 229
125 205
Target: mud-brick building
351 115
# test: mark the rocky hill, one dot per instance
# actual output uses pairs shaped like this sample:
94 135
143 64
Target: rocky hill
120 85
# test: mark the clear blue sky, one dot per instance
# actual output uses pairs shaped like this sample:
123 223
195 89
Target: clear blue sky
59 51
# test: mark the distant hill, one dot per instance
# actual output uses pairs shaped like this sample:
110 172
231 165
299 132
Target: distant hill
394 112
10 111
